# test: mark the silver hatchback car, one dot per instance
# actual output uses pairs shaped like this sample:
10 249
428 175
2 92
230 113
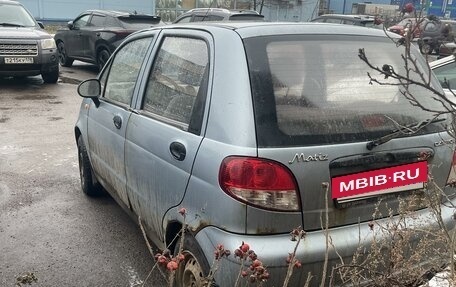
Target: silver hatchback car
242 124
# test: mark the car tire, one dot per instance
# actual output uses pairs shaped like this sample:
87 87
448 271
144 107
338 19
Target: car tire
51 77
63 56
102 57
193 270
425 48
88 184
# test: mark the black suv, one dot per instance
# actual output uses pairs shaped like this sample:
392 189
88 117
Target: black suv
218 14
94 35
357 20
25 48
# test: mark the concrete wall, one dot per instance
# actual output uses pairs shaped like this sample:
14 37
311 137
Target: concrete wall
63 10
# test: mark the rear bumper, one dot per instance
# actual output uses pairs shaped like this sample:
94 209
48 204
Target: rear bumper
273 250
47 61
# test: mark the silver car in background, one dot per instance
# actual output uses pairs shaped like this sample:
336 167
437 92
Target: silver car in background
242 124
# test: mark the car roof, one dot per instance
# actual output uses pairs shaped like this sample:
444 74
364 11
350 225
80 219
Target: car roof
442 61
255 29
10 2
113 13
348 17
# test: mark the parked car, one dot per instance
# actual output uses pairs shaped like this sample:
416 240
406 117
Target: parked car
218 14
26 49
409 23
435 33
240 124
445 71
357 20
447 49
94 35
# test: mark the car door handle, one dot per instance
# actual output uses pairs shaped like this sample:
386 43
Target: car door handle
98 34
117 122
178 151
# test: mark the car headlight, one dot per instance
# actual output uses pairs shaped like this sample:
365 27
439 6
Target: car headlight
48 44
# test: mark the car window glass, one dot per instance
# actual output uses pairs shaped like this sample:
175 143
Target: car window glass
213 18
81 22
16 15
334 21
198 18
124 71
430 27
448 73
185 19
316 91
349 22
176 78
112 22
97 21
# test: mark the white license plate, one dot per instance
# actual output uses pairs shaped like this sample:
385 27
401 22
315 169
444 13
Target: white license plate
18 60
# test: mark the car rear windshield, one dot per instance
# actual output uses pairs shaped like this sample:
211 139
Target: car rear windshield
15 15
139 22
310 90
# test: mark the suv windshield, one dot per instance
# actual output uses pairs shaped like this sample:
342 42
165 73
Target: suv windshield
311 90
15 15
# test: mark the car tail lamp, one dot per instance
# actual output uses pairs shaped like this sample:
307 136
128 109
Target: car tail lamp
259 182
452 176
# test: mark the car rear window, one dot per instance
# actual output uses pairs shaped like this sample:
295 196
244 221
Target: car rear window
246 17
310 90
139 22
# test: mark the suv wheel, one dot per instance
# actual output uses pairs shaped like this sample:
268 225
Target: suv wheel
51 77
63 58
102 57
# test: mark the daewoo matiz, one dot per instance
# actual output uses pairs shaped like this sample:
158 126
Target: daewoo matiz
245 125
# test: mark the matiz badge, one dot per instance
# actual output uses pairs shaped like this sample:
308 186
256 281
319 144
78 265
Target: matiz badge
301 157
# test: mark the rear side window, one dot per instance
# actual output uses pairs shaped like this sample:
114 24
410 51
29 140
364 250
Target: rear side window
177 83
315 90
97 21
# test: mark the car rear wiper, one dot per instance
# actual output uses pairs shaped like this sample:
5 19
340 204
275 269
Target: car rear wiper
11 25
395 133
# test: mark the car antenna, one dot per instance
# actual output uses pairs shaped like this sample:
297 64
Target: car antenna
207 11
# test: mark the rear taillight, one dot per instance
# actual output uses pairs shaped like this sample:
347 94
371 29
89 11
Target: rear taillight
259 182
452 176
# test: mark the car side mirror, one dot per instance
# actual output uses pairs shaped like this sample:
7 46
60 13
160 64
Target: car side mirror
90 89
41 25
70 25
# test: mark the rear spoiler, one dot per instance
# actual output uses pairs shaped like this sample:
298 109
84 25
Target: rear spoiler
141 17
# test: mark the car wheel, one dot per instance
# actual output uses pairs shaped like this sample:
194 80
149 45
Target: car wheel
192 271
89 187
63 58
425 48
51 77
102 57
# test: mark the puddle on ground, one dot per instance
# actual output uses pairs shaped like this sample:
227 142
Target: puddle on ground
66 80
5 109
4 120
35 97
54 102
